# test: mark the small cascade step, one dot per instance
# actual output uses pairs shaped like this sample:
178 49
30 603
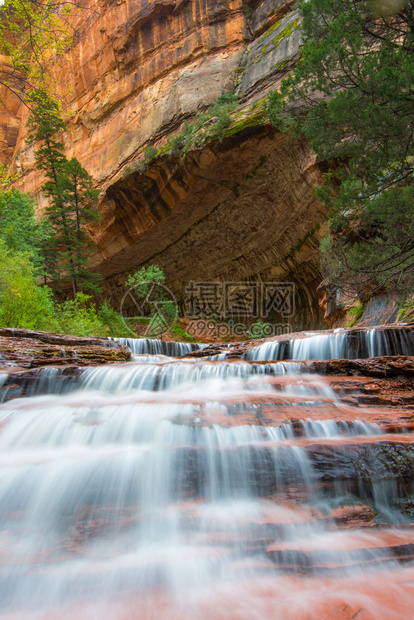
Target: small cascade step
339 344
335 552
153 346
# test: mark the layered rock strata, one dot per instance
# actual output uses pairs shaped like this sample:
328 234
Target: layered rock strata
30 349
239 210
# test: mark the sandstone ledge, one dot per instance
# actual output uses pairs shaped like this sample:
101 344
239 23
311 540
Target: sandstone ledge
31 349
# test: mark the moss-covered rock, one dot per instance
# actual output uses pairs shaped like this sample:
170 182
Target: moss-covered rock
270 56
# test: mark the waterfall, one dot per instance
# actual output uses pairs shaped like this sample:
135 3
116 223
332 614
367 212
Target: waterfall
342 344
167 488
150 346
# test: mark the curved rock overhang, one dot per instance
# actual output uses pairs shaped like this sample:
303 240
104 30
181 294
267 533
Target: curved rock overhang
240 210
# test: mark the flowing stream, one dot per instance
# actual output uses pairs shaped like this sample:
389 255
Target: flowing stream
188 489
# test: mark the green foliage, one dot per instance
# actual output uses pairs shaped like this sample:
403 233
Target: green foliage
210 125
406 312
146 277
76 200
26 304
354 314
150 152
373 246
259 329
168 310
151 297
139 166
178 332
351 95
22 302
18 227
113 321
19 230
73 201
7 179
33 34
206 126
44 122
79 317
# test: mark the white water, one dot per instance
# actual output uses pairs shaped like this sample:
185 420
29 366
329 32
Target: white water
340 345
165 479
150 346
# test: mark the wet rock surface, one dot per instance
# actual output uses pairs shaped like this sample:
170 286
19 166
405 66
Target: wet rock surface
286 487
31 349
393 339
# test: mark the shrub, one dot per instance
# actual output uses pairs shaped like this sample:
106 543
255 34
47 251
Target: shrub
150 152
23 303
113 321
259 329
180 333
79 317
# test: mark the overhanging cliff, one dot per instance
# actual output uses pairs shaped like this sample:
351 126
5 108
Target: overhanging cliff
237 209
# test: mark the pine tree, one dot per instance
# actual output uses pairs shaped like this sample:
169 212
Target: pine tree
72 199
79 200
352 96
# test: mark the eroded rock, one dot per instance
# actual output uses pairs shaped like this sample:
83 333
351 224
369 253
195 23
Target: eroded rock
31 349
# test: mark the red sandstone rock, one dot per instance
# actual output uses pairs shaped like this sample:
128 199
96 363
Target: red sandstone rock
135 72
30 349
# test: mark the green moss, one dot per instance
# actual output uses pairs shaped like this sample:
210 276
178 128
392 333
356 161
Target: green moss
256 115
272 28
406 311
249 121
285 33
163 150
281 65
180 333
354 314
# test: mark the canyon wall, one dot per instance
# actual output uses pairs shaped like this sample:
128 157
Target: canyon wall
240 208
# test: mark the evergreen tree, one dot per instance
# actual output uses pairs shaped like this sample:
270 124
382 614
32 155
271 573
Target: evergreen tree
73 201
79 204
352 96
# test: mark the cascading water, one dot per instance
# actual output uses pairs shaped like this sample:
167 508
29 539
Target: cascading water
164 489
151 346
340 345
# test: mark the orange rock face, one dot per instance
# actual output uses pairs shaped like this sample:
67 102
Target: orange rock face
133 66
9 116
239 210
